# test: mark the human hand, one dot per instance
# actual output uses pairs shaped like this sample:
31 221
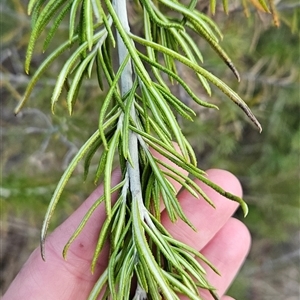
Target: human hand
223 240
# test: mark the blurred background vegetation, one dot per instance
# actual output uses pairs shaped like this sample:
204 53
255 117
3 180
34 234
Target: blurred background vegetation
36 146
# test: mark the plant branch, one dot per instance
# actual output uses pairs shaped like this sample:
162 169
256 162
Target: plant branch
126 85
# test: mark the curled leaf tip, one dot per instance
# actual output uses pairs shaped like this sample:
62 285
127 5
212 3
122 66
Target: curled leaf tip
65 251
245 209
43 249
70 110
234 70
16 111
257 124
53 108
250 115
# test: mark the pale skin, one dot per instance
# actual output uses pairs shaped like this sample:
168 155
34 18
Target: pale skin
225 241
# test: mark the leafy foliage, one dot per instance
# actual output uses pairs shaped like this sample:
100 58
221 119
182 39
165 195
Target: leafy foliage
137 112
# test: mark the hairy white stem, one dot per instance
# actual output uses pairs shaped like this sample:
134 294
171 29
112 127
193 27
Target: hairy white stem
140 294
126 85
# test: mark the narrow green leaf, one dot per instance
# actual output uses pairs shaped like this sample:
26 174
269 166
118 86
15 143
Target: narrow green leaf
107 22
73 14
151 10
145 255
43 67
35 11
113 89
179 80
226 194
55 25
118 224
194 268
182 183
180 107
180 287
217 48
88 16
191 260
156 199
216 81
192 155
67 68
180 162
60 187
126 275
104 233
156 128
31 5
153 289
77 78
108 170
141 277
107 60
191 43
110 123
150 52
99 71
169 62
150 200
189 249
155 112
145 118
213 5
101 166
81 29
168 193
112 270
129 102
86 218
191 7
160 242
202 29
170 119
264 5
205 22
209 24
225 6
169 152
44 18
90 155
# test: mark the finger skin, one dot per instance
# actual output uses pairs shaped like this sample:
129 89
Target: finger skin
227 251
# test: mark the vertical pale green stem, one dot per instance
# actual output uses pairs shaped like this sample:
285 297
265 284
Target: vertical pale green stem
126 85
